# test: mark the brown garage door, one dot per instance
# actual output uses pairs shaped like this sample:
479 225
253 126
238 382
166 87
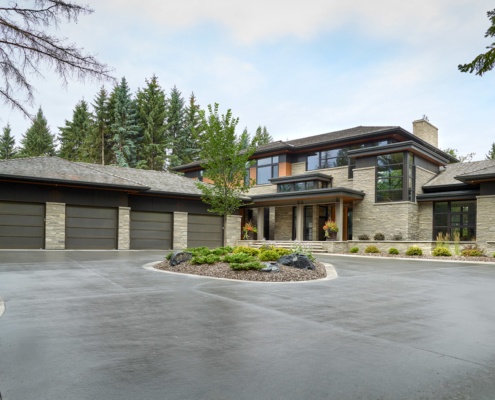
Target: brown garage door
151 230
204 230
90 228
22 225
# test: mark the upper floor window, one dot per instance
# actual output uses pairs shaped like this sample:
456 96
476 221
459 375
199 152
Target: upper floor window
300 186
395 177
266 168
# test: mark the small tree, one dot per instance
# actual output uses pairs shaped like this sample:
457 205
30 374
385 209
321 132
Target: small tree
7 144
491 153
38 141
454 153
224 163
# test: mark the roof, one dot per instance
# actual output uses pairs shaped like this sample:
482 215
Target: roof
60 171
454 174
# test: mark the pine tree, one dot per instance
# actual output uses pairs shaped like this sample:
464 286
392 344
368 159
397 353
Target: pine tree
7 144
124 129
38 141
491 153
100 148
74 138
176 132
151 111
194 130
262 136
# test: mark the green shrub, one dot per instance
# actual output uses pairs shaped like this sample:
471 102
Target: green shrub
379 236
221 251
354 249
269 255
248 250
169 256
246 266
267 247
441 252
472 253
238 258
282 252
199 251
300 248
397 236
393 250
363 237
414 251
371 249
209 259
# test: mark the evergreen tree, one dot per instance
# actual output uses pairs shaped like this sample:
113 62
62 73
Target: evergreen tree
245 138
491 153
7 144
151 107
262 136
124 128
193 129
176 132
74 136
38 141
100 148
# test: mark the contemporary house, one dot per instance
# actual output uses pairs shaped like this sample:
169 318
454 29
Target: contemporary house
369 180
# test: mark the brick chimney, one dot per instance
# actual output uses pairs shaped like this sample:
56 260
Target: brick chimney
423 129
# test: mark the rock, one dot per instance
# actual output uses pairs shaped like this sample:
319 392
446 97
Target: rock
295 260
179 257
270 267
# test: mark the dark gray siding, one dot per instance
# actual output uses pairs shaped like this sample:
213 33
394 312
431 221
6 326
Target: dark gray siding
90 228
204 230
151 230
22 225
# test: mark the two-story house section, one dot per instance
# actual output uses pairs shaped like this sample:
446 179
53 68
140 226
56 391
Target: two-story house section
365 178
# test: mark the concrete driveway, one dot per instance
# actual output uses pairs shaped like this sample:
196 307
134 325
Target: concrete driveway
96 325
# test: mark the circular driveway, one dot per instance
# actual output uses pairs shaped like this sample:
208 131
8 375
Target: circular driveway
97 325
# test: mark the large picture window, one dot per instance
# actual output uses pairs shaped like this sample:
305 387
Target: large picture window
266 168
457 219
395 177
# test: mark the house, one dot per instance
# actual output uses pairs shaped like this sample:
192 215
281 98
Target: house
370 180
51 203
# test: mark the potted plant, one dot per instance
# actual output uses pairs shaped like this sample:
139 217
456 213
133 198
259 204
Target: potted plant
248 231
330 229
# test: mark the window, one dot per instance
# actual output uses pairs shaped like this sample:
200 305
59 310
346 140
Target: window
455 218
395 177
300 186
266 168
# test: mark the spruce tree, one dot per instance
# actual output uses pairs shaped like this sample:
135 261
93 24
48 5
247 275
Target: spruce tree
176 132
124 128
151 112
491 153
7 144
74 138
262 136
100 148
193 129
38 141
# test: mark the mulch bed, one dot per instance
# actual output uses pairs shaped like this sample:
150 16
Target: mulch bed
223 270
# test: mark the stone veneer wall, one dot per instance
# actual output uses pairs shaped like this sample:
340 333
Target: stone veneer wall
422 176
124 236
283 223
485 223
262 189
232 230
179 239
55 226
425 217
298 168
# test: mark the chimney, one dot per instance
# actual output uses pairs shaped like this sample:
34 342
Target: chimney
426 131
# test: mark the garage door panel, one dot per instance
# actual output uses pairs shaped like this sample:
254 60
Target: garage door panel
204 230
152 234
22 220
149 225
22 209
89 243
151 216
90 212
90 223
22 231
90 228
90 232
151 230
22 225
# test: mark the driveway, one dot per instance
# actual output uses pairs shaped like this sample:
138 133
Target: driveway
96 325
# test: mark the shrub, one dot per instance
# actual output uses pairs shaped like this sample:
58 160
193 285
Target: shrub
379 236
246 266
269 255
472 252
354 249
414 251
267 247
301 249
169 256
397 236
393 250
238 258
221 251
441 252
282 252
209 259
248 250
199 251
371 249
363 237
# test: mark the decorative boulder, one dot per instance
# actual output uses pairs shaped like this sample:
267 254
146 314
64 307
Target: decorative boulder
179 257
295 260
270 266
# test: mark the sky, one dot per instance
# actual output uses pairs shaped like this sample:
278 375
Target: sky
298 68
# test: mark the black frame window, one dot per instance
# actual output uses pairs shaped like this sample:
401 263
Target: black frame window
266 169
395 177
455 218
301 186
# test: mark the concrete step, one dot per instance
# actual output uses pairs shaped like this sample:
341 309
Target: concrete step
314 247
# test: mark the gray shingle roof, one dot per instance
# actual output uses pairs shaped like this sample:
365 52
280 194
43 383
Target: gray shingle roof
447 176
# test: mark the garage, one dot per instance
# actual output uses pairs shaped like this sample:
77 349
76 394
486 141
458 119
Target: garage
204 230
22 225
151 230
90 228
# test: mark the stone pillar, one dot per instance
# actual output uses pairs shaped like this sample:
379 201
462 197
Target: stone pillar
124 234
179 240
55 226
485 223
232 230
300 223
260 225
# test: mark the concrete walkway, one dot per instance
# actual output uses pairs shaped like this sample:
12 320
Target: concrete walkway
97 325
